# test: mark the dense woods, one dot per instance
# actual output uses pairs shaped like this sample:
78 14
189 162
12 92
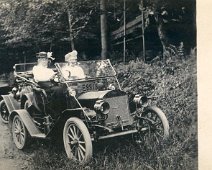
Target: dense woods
30 26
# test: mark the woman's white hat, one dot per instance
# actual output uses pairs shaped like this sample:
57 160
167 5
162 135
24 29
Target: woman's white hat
71 56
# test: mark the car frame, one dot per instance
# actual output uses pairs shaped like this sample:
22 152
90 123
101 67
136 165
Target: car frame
94 108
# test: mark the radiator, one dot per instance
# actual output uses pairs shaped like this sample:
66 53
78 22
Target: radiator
119 112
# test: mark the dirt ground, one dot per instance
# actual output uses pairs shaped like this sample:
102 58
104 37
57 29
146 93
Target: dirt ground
10 157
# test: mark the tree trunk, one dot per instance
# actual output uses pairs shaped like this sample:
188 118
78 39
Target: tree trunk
103 21
141 7
163 38
70 30
161 35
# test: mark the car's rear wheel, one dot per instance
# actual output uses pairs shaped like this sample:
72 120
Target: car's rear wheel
153 126
19 132
4 112
77 140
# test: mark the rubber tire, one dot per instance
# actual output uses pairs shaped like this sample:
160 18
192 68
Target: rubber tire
163 119
26 134
86 135
1 105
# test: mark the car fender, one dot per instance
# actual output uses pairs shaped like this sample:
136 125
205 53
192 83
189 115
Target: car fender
28 122
11 102
65 115
72 113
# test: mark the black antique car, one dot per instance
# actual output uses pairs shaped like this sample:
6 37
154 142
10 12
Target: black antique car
88 109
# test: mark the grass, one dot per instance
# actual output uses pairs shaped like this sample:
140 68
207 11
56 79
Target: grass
174 86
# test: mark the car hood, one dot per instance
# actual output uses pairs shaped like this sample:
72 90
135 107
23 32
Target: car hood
94 95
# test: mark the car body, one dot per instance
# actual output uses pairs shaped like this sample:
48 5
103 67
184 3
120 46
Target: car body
88 109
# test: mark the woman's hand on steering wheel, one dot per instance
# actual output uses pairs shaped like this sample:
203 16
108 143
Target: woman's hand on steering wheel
54 77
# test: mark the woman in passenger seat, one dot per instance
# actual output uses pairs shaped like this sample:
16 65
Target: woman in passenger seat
72 70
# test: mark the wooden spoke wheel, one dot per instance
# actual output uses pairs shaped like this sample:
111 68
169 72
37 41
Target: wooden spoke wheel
19 133
77 140
153 126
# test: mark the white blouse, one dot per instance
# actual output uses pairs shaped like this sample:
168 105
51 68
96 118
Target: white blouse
42 73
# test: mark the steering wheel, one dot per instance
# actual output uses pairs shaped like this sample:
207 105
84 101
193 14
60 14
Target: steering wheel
55 78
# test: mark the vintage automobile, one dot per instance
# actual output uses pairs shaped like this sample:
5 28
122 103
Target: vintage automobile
88 109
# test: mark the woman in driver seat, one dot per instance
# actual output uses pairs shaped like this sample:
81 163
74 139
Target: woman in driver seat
72 70
41 72
43 76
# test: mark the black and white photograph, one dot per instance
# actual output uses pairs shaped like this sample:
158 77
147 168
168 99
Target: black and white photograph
98 85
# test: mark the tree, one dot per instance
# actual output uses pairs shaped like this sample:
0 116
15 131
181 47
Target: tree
175 21
46 22
30 26
79 13
103 21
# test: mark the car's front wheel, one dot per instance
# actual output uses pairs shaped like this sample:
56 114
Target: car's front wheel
153 126
4 112
77 140
19 132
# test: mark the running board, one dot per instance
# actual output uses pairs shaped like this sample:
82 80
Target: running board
30 125
118 134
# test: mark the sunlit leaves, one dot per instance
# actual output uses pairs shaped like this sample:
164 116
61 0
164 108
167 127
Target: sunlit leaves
42 21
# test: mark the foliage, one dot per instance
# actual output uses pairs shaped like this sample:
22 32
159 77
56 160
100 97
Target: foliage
29 26
174 19
43 22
